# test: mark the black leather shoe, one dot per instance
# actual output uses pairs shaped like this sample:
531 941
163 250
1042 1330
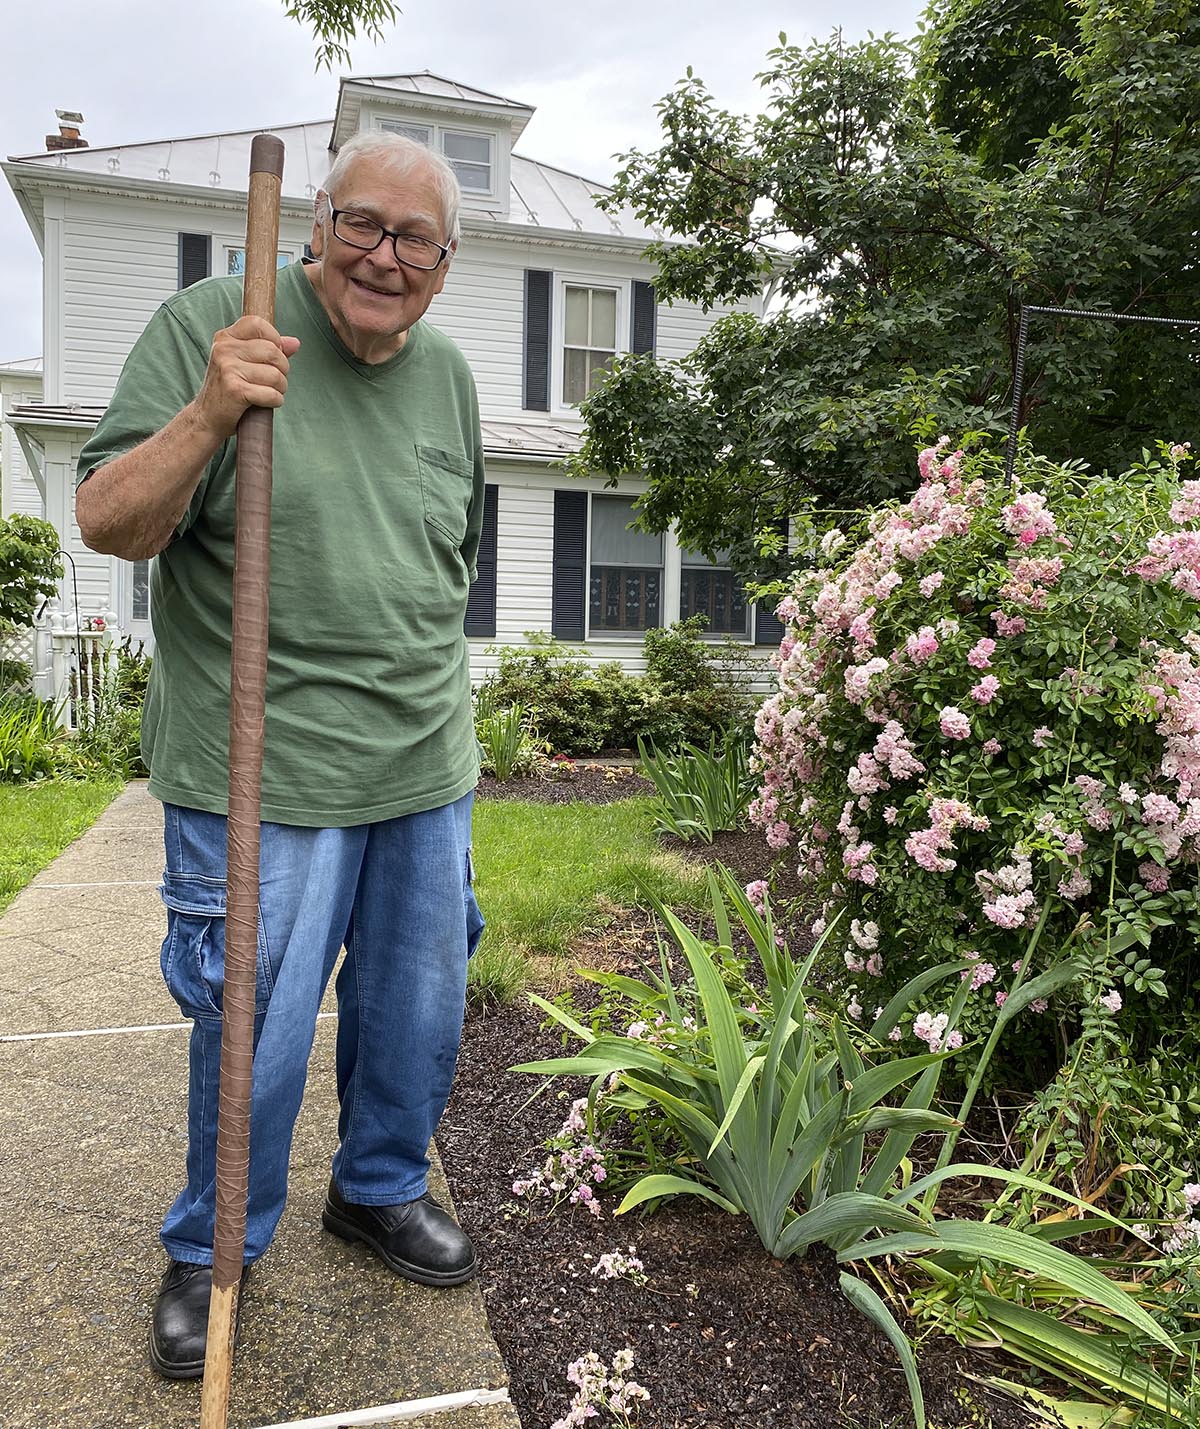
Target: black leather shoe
418 1240
179 1330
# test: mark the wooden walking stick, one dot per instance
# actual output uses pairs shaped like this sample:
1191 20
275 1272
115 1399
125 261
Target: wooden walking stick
247 701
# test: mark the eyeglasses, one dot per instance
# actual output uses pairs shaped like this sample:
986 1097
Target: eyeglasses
359 231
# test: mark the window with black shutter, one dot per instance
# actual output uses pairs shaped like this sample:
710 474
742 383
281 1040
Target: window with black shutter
195 258
535 395
570 556
480 618
644 326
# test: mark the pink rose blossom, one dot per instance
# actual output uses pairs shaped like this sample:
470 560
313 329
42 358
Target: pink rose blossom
979 657
953 723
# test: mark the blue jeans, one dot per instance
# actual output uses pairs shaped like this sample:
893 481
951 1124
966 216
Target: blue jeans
397 894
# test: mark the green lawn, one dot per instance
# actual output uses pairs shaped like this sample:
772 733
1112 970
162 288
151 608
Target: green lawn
38 821
545 873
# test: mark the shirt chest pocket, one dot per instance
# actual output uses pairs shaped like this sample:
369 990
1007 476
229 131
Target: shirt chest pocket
446 487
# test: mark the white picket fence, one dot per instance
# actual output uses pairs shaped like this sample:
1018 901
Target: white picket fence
72 660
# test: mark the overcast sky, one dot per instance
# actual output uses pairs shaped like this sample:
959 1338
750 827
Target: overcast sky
154 69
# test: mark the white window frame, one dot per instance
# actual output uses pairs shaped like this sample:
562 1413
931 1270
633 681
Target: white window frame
558 335
391 123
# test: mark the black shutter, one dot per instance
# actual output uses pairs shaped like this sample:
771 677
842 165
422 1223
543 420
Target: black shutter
644 318
767 629
536 391
570 554
195 258
480 618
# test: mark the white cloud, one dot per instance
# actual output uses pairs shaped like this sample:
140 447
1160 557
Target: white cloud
152 69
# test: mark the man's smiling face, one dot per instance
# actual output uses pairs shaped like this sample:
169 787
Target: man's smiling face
373 299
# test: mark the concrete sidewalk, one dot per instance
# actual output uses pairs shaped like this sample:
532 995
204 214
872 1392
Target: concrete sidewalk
92 1140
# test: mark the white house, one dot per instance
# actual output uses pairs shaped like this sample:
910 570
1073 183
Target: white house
544 289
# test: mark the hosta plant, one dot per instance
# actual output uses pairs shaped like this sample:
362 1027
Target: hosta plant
989 710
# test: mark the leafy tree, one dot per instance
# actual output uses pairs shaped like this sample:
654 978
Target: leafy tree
335 23
29 567
992 75
903 201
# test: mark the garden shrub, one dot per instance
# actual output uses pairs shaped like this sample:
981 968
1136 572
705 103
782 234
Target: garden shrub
16 677
988 715
30 742
29 567
507 744
690 692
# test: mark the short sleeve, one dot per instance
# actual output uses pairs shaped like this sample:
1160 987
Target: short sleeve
161 375
470 546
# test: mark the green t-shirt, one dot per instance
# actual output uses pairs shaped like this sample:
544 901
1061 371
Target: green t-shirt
376 512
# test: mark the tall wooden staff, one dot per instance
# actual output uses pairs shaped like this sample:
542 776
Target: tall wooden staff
247 700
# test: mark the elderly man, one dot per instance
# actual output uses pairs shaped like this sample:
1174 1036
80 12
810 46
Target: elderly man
370 760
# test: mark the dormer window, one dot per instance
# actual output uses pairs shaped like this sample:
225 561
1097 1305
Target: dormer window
470 156
469 152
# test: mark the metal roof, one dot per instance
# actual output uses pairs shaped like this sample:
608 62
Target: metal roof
524 440
516 441
24 366
78 416
541 196
435 86
217 161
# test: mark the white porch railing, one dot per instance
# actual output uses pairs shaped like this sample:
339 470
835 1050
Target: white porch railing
72 658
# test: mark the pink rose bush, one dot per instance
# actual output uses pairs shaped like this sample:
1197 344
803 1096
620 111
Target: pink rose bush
989 711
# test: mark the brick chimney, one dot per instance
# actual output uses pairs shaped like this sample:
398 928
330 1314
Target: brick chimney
68 131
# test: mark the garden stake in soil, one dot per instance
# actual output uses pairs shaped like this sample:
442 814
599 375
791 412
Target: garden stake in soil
247 699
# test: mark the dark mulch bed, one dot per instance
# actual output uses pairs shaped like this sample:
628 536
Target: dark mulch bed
723 1336
755 1343
585 783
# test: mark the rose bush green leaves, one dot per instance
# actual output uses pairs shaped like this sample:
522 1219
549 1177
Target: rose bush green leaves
989 712
990 699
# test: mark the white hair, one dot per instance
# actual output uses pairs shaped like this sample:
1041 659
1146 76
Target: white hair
401 156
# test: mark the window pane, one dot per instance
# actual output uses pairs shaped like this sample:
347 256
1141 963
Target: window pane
476 178
613 543
419 133
604 319
694 558
475 148
576 319
715 594
575 375
236 261
622 599
141 590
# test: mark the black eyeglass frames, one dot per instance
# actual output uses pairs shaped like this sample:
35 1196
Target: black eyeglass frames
359 231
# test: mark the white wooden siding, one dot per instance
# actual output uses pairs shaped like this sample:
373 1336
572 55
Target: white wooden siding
120 260
681 326
19 492
482 309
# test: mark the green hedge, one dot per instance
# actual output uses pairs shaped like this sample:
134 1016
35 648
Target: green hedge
692 689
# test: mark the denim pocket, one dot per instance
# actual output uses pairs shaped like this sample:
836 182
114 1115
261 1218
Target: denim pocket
475 920
193 953
447 484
